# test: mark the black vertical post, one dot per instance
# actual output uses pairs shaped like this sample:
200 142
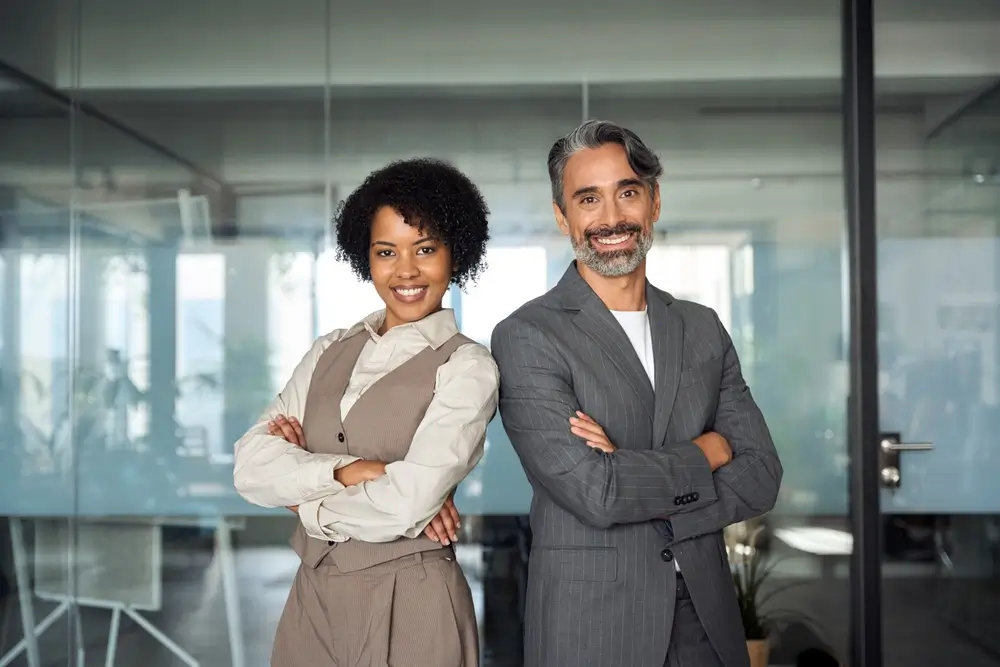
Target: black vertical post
859 176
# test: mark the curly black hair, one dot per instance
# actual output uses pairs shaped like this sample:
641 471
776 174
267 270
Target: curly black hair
429 193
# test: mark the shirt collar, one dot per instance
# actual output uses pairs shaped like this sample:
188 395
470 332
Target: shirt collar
437 328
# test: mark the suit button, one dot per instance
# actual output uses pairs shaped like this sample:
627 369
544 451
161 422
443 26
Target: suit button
694 497
667 555
678 500
340 437
330 543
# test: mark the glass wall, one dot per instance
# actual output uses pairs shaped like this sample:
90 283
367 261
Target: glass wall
166 260
939 326
38 470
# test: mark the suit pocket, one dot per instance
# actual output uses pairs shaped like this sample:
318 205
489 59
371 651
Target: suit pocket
597 564
709 372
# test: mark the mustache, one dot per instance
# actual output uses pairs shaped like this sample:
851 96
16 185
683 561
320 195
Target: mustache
615 230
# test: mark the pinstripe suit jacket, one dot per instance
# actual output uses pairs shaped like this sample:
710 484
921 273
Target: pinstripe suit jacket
601 584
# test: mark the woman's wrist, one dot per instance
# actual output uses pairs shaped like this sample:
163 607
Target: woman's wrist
359 472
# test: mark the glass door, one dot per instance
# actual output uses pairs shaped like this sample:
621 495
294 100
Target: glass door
939 391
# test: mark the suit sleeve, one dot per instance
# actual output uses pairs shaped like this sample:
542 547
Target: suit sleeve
748 485
599 489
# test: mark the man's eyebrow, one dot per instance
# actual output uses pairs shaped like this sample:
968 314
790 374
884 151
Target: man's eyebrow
586 190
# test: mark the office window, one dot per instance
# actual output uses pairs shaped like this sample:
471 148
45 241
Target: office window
200 351
44 369
341 299
290 312
513 276
700 273
126 339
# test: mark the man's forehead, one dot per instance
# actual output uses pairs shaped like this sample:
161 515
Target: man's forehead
605 165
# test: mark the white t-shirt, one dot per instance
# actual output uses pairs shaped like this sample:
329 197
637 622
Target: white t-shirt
636 326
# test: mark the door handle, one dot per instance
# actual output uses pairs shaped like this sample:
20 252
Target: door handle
889 445
889 449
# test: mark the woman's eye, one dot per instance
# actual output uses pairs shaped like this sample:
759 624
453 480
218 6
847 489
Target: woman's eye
383 253
425 250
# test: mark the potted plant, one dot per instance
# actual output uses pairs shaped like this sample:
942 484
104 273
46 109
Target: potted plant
750 577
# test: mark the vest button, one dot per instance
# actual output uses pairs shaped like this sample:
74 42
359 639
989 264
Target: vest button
340 437
330 543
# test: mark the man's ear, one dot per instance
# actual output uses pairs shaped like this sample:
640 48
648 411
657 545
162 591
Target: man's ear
656 202
560 218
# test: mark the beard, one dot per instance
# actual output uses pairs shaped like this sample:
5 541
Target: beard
612 263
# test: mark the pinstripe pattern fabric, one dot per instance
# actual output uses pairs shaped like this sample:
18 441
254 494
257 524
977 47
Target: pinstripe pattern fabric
689 644
599 590
404 603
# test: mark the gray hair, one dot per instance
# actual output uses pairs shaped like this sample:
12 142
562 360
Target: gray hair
594 134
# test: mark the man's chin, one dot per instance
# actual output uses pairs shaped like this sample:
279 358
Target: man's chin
612 267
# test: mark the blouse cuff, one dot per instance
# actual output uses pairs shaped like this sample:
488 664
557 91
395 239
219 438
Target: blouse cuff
309 516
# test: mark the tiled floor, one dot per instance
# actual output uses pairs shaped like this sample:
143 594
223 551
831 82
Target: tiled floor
924 626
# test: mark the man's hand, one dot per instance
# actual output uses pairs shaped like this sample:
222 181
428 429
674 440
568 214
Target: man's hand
443 528
586 428
716 449
290 429
359 472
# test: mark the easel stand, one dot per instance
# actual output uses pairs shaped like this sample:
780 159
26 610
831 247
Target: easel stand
32 631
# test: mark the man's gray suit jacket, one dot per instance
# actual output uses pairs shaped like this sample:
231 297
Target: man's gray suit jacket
607 527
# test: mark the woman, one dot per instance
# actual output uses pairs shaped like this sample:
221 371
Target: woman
377 426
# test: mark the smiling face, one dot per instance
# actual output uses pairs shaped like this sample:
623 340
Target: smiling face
609 212
410 270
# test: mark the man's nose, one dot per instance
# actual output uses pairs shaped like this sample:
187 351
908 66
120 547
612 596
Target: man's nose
611 212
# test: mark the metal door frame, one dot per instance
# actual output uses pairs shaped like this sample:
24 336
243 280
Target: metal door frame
858 97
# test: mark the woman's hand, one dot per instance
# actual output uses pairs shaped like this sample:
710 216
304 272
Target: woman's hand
290 429
586 428
444 527
359 472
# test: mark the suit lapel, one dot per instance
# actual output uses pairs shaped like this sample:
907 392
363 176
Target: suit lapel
597 323
668 351
602 327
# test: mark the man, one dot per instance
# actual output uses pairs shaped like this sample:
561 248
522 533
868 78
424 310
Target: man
640 438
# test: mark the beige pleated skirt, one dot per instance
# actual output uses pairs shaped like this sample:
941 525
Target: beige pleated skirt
415 611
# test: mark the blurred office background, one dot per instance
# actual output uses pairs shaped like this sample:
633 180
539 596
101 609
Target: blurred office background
167 173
